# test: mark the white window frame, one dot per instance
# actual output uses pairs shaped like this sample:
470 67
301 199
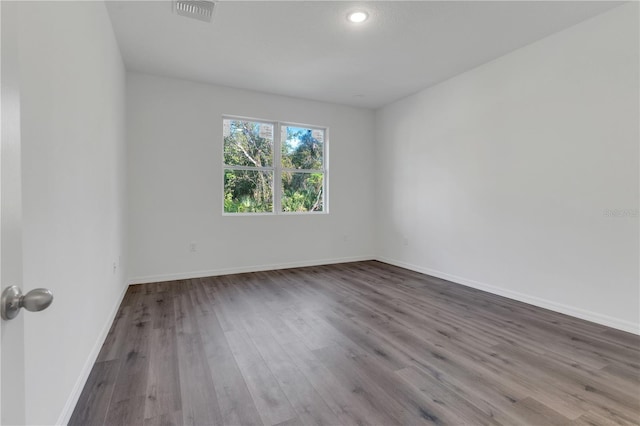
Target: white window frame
277 169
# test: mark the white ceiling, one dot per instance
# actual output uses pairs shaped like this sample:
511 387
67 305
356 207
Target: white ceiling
309 50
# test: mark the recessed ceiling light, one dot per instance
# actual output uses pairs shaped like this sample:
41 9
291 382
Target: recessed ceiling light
357 17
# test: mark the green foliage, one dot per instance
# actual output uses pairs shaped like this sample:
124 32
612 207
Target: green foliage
245 147
302 192
247 191
301 151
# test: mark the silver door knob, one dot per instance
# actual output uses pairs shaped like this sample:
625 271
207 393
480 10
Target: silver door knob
12 300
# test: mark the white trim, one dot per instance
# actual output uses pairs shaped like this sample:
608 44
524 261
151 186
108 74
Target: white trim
308 171
243 269
277 174
301 213
250 168
276 168
573 311
67 411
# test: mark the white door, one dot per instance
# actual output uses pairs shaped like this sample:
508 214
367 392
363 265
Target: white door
12 389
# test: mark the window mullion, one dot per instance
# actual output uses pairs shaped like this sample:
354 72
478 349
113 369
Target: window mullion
325 168
277 165
249 168
301 170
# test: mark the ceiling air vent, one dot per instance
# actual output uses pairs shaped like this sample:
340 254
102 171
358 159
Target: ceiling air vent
197 9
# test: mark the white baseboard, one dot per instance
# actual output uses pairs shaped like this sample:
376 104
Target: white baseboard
243 269
67 411
595 317
573 311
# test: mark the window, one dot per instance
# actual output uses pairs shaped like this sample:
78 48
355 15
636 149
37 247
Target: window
272 167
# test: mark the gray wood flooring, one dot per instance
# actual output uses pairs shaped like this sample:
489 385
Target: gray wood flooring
353 344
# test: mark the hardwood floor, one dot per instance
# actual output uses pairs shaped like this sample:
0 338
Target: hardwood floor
353 344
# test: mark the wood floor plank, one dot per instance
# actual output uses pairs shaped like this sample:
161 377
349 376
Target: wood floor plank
531 412
116 337
163 396
163 311
362 343
129 394
624 374
592 418
350 410
573 383
363 388
404 403
96 396
272 404
168 419
234 399
368 341
291 422
486 388
197 391
449 406
128 411
313 337
310 407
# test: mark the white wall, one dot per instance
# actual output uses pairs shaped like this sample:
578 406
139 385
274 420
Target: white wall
175 184
73 133
500 178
